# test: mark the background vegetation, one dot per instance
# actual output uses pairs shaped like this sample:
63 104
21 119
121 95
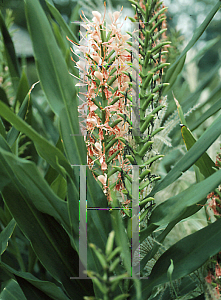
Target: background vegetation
38 216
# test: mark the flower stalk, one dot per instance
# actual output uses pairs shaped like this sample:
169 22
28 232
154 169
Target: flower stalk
124 78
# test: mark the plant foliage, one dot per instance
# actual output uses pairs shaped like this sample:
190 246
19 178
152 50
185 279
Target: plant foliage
129 123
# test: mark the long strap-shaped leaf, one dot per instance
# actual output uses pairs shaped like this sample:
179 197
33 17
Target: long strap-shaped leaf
204 163
10 54
58 87
5 235
37 188
211 111
204 142
2 129
12 291
191 99
61 21
176 66
55 81
45 149
188 255
48 289
49 240
181 204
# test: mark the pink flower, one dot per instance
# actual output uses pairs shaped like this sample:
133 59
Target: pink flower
210 195
209 278
103 163
217 288
102 179
99 75
115 16
96 57
103 166
97 17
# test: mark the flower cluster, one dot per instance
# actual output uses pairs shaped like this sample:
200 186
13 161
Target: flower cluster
214 276
120 89
159 30
214 273
218 160
215 203
105 112
214 198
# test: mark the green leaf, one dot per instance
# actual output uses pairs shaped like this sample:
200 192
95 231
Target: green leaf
23 88
170 270
10 54
204 163
61 21
211 111
73 142
98 221
121 239
56 81
49 241
185 286
38 190
188 255
180 111
50 130
2 129
4 179
200 297
209 44
98 217
54 249
191 100
203 143
110 243
59 187
53 74
122 242
13 132
60 91
12 291
4 145
121 297
62 43
5 235
172 73
100 255
3 96
30 291
28 282
46 150
177 65
182 204
75 16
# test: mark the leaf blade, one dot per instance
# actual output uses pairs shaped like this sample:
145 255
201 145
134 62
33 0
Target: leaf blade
54 251
204 163
56 81
188 255
203 143
5 235
176 66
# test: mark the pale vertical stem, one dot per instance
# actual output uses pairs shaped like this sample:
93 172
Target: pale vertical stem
135 214
135 75
83 224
